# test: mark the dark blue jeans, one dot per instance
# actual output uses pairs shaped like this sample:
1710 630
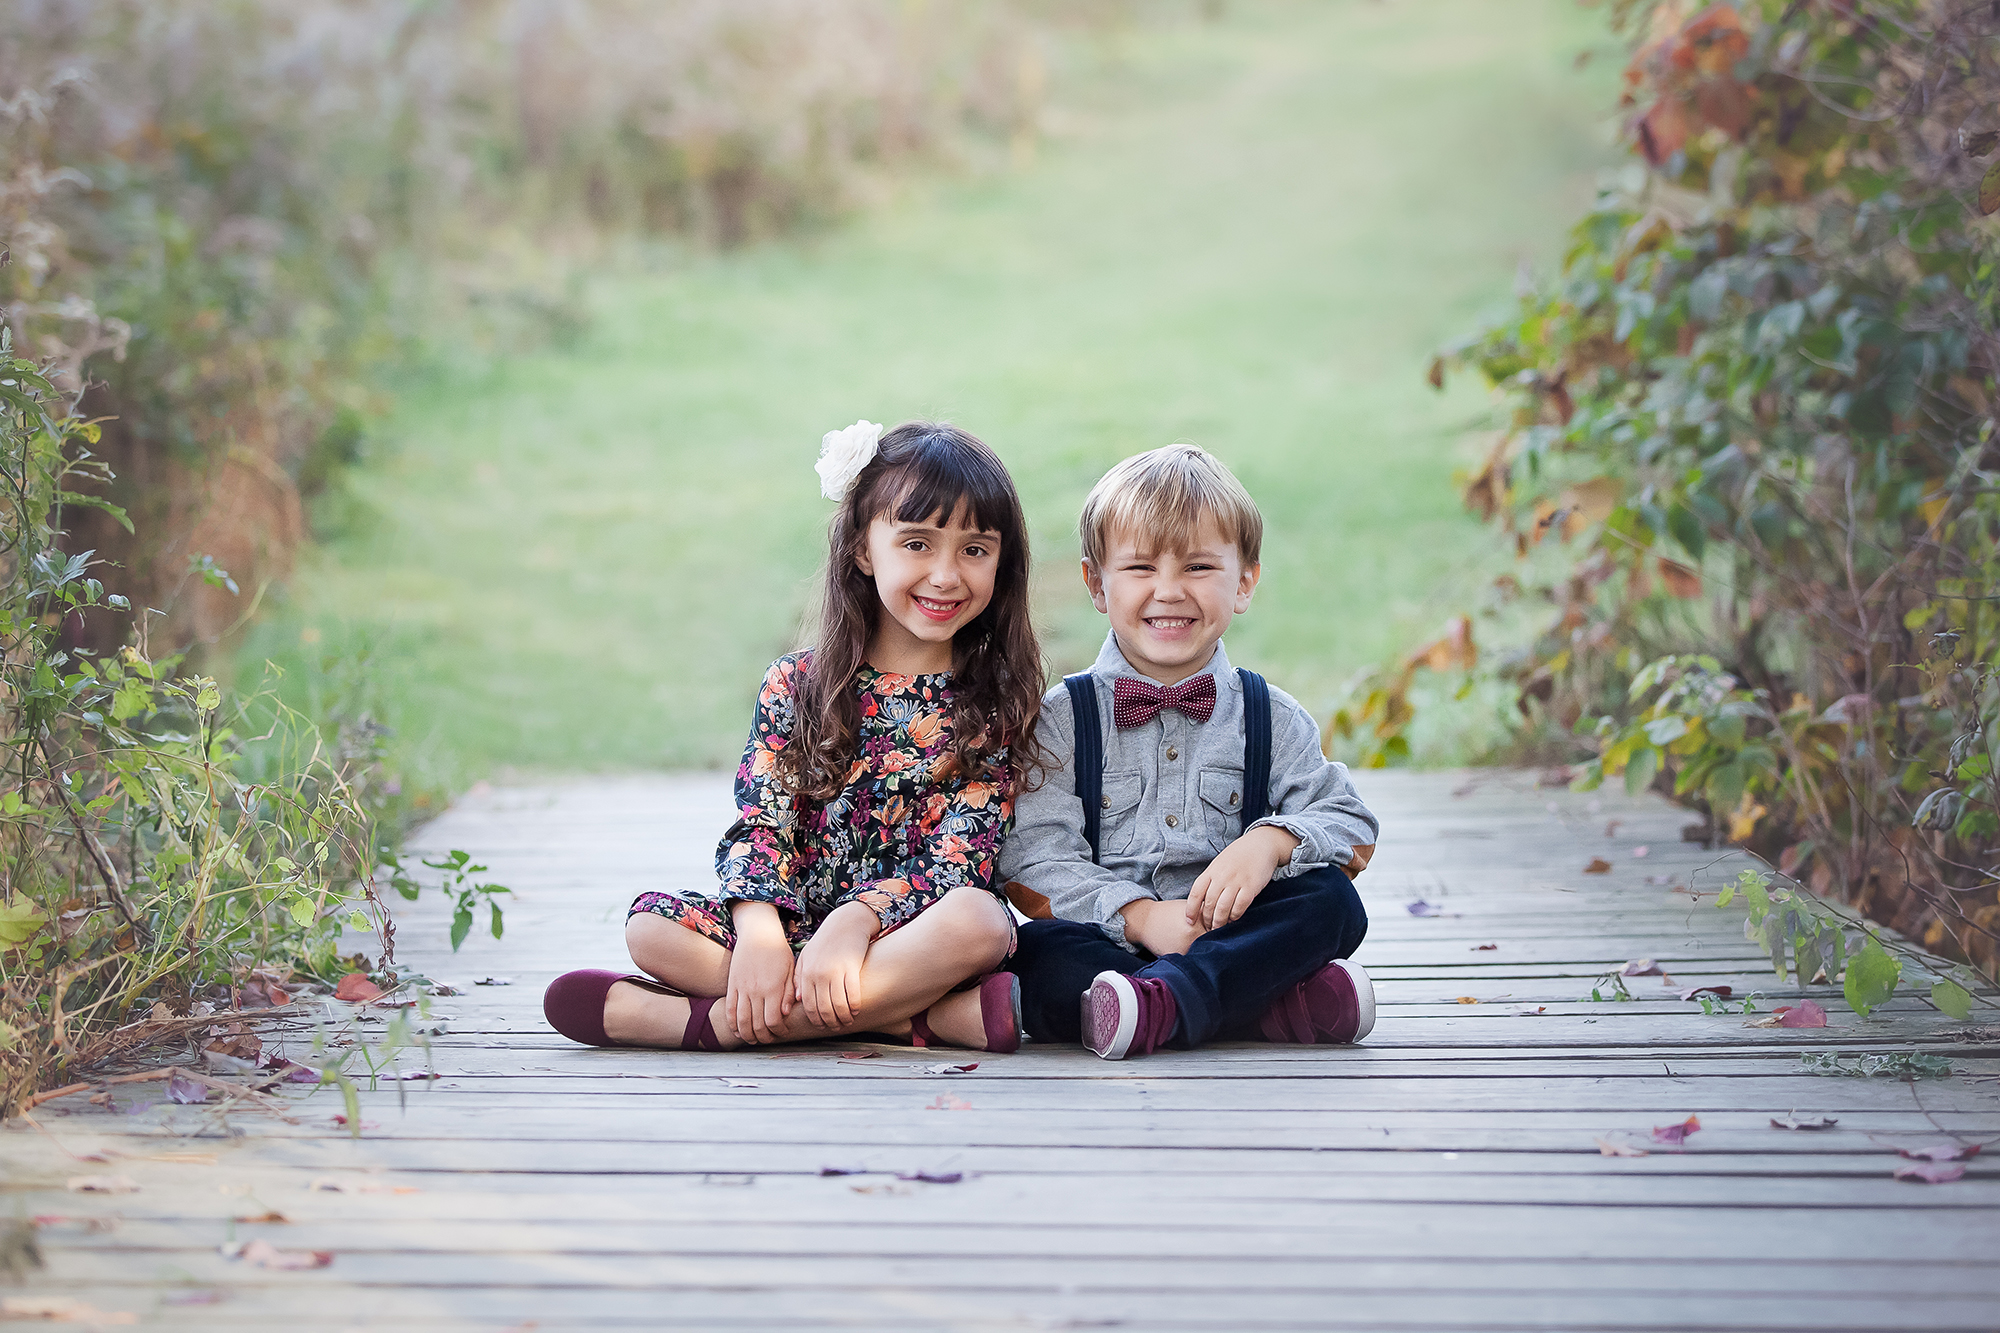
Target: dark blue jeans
1223 983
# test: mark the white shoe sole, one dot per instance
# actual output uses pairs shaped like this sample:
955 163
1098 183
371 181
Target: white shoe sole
1364 995
1110 1021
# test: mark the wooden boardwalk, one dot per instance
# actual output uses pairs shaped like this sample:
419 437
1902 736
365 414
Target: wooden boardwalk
1446 1175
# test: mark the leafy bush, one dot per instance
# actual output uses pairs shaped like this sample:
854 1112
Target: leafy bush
165 847
1750 460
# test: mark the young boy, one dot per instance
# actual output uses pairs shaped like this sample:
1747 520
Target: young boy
1177 897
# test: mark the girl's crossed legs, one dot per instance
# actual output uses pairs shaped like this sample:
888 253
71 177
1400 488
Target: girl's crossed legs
911 969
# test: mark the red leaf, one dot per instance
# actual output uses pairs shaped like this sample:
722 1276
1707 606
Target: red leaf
356 988
1676 1133
1941 1152
1720 992
1640 967
1806 1015
1931 1173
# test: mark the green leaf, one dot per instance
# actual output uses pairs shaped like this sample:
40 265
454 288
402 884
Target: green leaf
19 922
1952 998
209 699
1774 942
1687 529
461 925
357 920
1872 975
1989 190
1639 772
92 502
301 910
498 926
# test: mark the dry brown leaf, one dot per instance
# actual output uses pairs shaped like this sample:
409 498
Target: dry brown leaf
1468 999
1680 580
102 1185
1598 866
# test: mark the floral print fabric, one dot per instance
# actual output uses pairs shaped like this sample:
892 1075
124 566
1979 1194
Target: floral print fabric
895 837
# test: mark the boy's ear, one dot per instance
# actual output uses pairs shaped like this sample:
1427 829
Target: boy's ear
1094 581
1246 586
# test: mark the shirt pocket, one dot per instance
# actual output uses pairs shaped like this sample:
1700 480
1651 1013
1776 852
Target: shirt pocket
1118 812
1222 804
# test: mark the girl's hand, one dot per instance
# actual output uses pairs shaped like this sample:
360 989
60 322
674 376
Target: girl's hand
828 978
760 973
1224 891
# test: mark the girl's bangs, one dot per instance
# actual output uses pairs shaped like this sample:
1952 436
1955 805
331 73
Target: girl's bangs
941 476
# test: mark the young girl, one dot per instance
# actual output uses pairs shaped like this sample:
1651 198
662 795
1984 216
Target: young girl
857 883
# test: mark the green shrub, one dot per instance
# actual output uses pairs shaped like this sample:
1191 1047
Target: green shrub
1749 466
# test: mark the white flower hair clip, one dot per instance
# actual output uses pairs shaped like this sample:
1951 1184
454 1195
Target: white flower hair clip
842 455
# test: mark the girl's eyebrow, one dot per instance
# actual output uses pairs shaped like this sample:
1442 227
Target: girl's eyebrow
927 528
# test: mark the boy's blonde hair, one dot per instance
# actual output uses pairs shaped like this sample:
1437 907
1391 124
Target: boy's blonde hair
1162 496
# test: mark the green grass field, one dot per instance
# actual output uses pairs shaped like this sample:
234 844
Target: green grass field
1251 235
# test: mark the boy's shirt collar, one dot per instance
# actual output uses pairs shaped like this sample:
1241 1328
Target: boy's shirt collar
1111 665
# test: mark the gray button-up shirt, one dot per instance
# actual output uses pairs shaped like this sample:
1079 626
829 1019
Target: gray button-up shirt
1173 799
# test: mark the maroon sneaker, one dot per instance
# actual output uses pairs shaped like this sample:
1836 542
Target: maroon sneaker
1127 1015
1333 1006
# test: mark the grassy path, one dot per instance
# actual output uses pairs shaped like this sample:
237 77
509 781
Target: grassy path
1252 238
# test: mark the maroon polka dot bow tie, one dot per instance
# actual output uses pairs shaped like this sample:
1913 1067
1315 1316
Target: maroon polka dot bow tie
1134 703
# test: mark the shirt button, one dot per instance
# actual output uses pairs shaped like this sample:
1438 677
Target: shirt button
1107 803
1173 821
1232 800
1172 754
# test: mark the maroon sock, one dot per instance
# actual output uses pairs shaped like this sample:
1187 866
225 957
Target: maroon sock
1159 1015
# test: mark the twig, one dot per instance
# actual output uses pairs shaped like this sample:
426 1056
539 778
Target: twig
31 1103
90 843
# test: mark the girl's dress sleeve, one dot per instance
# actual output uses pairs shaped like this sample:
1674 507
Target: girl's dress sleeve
756 861
954 842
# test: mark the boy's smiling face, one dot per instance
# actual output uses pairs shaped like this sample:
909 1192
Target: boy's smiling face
1170 608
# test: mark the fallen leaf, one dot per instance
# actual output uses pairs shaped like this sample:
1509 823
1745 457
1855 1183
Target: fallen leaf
335 1185
843 1170
946 1102
1796 1121
204 1297
951 1069
1530 1013
273 1216
1941 1152
1805 1015
62 1310
356 988
185 1090
494 981
860 1055
1482 948
1611 828
263 1254
735 1082
1422 908
884 1188
1615 1148
1770 1020
932 1177
1468 999
1720 992
1930 1173
1676 1133
1640 967
340 1118
1640 851
1598 866
402 1076
101 1185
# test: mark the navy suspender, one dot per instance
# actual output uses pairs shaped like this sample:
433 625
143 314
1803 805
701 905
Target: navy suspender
1256 747
1089 761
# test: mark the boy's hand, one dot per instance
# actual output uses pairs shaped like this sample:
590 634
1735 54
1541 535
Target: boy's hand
1159 928
760 973
1224 891
828 977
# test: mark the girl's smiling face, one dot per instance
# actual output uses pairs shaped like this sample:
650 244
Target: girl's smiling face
934 579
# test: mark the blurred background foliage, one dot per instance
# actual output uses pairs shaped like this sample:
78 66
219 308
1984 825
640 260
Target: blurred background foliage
1747 480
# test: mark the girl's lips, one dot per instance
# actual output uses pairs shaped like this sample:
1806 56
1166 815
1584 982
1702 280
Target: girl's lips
938 611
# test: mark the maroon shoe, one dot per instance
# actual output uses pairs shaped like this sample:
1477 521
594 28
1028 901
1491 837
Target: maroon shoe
1127 1015
1332 1007
574 1006
999 1009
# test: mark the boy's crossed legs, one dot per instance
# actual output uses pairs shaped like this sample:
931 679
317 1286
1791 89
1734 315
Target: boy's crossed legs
1221 986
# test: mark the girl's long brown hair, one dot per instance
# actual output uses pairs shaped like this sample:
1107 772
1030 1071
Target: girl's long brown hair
922 471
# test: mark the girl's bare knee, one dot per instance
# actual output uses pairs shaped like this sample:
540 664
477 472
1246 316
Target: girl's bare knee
981 931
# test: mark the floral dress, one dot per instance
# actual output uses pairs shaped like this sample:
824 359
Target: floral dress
893 837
